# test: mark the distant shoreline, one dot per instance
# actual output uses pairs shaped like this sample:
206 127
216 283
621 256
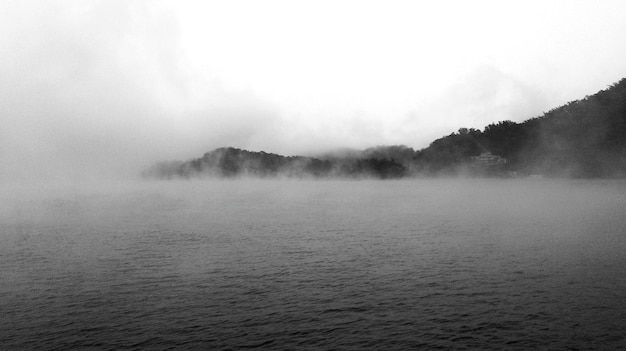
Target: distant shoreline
582 139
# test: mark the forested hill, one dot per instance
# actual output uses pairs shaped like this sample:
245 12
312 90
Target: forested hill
584 138
231 162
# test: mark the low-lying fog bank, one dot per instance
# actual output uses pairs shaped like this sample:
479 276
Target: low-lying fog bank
453 196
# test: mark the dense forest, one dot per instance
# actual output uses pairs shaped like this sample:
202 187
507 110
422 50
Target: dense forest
231 162
584 138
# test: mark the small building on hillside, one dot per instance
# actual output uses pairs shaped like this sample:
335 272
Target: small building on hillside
490 165
488 160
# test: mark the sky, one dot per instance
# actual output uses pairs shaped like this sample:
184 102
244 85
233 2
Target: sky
106 88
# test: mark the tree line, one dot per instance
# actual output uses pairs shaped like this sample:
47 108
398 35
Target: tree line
584 138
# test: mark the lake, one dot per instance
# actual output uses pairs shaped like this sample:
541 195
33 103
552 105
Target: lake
289 264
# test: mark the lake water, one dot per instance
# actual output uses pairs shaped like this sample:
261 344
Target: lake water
380 265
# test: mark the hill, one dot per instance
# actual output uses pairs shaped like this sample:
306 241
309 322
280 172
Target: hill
232 162
583 138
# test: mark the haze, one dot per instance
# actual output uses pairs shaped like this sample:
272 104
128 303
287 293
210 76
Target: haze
106 88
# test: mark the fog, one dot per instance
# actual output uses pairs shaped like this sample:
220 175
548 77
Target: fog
103 89
89 90
492 202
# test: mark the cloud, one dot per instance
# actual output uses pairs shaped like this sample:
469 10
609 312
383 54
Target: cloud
483 96
101 88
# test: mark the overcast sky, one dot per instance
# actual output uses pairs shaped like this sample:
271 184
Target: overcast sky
108 87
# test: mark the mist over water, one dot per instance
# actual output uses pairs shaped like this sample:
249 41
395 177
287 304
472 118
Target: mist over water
298 264
93 94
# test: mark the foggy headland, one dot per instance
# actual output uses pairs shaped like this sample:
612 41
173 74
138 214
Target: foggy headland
582 139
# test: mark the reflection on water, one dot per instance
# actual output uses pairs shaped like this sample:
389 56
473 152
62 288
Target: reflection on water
304 264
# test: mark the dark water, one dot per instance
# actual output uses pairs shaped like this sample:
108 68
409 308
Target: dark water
315 265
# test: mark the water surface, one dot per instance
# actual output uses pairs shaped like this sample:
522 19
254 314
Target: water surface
487 264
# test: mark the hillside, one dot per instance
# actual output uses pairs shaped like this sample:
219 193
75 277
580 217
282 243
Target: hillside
231 162
583 138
